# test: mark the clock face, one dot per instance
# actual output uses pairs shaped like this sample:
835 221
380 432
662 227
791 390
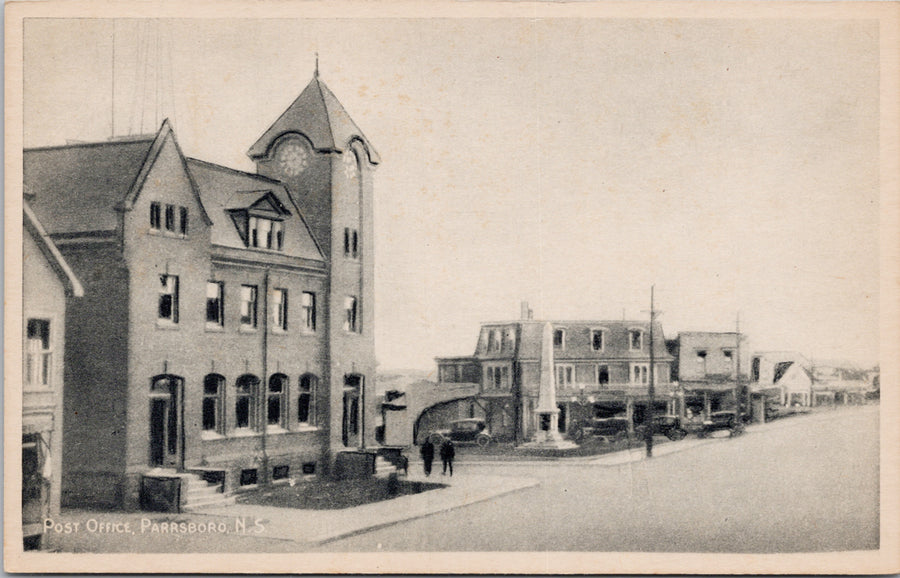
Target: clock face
292 158
350 167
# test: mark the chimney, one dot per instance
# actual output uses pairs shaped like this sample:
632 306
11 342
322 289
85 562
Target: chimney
527 314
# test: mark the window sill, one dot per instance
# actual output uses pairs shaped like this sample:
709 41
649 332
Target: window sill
166 234
276 429
166 325
278 331
210 328
306 428
245 329
211 435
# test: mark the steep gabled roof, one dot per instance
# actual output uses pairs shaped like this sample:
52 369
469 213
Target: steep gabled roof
224 190
54 257
165 133
78 188
75 188
318 115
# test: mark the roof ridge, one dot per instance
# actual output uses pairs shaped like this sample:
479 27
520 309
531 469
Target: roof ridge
142 139
328 114
233 170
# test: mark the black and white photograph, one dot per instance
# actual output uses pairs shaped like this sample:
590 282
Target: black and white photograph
536 287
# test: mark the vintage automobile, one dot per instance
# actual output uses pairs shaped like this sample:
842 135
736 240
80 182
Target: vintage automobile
464 431
608 429
666 425
721 421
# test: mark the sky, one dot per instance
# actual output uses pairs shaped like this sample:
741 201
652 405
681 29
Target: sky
571 163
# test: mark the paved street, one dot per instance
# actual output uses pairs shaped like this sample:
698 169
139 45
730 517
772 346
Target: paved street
802 484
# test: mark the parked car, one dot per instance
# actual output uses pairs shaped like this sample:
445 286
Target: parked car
464 431
608 428
720 421
666 425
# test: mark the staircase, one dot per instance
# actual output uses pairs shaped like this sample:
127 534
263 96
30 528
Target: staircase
384 468
198 493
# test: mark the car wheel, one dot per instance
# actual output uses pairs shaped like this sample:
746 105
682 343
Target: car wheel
621 436
677 434
436 438
578 436
483 440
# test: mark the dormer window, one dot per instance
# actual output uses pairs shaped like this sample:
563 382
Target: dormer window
559 339
259 219
636 339
266 234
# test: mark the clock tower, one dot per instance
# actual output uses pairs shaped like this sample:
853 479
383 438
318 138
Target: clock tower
327 164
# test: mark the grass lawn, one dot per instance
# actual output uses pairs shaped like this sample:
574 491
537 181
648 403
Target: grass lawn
335 495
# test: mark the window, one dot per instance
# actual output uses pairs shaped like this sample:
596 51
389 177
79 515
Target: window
597 340
184 221
266 234
639 373
170 218
213 386
155 216
38 356
602 375
176 218
245 401
305 406
351 243
636 339
308 310
280 309
754 369
275 399
248 306
559 339
350 314
565 375
168 298
215 304
701 355
496 377
281 472
248 477
494 343
509 338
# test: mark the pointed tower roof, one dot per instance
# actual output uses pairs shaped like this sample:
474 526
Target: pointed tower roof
320 117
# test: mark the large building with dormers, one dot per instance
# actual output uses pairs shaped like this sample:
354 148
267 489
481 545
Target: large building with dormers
226 329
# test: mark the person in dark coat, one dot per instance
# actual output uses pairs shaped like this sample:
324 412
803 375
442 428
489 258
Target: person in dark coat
448 452
427 451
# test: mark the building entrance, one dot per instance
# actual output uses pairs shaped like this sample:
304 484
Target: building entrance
166 422
350 430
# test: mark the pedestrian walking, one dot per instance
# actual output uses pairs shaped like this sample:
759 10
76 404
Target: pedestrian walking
427 451
448 452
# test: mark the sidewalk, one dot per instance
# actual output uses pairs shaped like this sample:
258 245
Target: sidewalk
321 526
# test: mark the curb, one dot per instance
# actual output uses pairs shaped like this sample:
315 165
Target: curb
319 540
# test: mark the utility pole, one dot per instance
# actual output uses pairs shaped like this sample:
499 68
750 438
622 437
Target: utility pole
648 415
737 378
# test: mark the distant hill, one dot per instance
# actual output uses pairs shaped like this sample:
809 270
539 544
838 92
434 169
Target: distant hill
399 378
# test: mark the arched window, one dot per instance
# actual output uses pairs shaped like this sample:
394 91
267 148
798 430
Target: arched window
305 400
275 399
245 401
213 395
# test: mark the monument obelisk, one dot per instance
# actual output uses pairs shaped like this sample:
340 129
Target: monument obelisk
548 412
